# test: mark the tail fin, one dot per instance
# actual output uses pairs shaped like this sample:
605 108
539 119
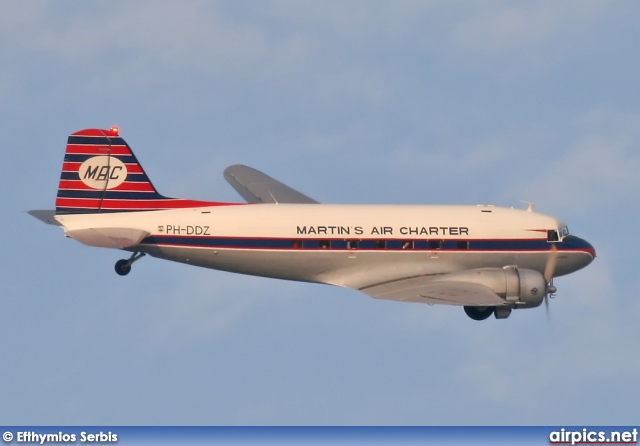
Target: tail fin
100 173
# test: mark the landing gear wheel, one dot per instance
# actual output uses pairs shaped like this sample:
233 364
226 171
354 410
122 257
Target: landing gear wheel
479 313
502 312
123 267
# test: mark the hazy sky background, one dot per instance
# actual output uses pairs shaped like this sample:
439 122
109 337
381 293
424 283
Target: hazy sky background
349 102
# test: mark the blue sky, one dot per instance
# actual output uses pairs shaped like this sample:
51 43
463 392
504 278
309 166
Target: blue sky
350 102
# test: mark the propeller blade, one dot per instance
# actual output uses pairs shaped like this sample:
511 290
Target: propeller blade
546 305
550 267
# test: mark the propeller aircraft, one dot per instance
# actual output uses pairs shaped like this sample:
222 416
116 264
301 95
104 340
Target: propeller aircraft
490 260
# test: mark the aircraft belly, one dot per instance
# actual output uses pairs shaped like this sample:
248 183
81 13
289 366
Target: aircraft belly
356 269
297 266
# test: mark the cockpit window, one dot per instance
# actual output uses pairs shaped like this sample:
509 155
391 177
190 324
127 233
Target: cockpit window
559 235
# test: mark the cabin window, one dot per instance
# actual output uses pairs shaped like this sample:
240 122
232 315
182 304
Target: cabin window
325 244
462 244
435 244
407 244
296 244
380 244
420 244
352 244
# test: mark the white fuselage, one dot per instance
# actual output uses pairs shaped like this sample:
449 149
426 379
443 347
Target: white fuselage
347 245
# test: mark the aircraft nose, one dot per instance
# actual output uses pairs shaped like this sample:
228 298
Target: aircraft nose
587 247
590 249
574 243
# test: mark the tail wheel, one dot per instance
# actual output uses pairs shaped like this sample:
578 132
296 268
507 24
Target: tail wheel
123 267
479 313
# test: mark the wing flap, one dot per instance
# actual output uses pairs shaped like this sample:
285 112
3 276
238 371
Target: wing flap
427 290
257 187
117 238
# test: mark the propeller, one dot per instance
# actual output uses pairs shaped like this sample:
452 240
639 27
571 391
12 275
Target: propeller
549 269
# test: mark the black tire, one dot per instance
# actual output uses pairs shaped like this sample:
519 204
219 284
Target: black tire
123 267
479 313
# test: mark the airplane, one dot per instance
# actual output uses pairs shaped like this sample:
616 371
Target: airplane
488 259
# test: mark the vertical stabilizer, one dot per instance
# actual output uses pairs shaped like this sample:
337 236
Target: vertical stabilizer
100 173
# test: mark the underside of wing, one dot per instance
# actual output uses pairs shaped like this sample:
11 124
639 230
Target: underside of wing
428 290
257 187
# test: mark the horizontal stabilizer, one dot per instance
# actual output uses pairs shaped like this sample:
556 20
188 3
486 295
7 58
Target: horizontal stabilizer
46 216
257 187
429 290
117 238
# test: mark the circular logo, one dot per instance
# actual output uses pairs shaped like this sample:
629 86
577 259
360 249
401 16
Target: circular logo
103 172
7 436
534 291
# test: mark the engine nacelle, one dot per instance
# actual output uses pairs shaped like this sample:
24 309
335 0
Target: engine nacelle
532 285
524 288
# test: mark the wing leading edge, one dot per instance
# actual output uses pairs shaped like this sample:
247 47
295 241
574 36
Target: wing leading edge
257 187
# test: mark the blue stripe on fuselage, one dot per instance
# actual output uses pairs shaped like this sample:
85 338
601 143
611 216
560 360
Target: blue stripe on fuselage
569 244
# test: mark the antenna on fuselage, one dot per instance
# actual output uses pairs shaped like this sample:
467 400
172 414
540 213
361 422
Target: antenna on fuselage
531 207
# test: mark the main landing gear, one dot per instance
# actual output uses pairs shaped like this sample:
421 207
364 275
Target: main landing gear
123 266
482 313
479 313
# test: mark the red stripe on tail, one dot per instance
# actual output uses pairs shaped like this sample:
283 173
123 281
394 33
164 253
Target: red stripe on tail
100 173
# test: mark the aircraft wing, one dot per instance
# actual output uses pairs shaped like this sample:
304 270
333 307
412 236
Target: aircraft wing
257 187
427 289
